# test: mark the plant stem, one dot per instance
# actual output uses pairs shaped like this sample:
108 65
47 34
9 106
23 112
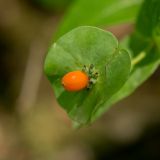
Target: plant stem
138 58
141 55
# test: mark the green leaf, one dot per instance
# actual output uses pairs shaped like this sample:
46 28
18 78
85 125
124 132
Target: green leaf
90 45
149 18
147 27
84 46
139 74
145 48
98 13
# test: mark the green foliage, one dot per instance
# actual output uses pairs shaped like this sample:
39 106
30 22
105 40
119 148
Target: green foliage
139 74
144 44
89 45
85 46
147 27
149 18
145 47
98 13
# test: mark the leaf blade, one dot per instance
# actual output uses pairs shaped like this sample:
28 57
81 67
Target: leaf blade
87 45
100 13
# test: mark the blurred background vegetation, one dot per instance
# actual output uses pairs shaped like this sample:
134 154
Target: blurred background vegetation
33 126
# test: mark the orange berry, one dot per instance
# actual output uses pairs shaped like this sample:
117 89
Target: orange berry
75 81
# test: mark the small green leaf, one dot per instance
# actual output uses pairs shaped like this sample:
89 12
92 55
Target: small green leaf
84 46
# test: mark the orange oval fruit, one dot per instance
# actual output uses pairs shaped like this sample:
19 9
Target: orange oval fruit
75 81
